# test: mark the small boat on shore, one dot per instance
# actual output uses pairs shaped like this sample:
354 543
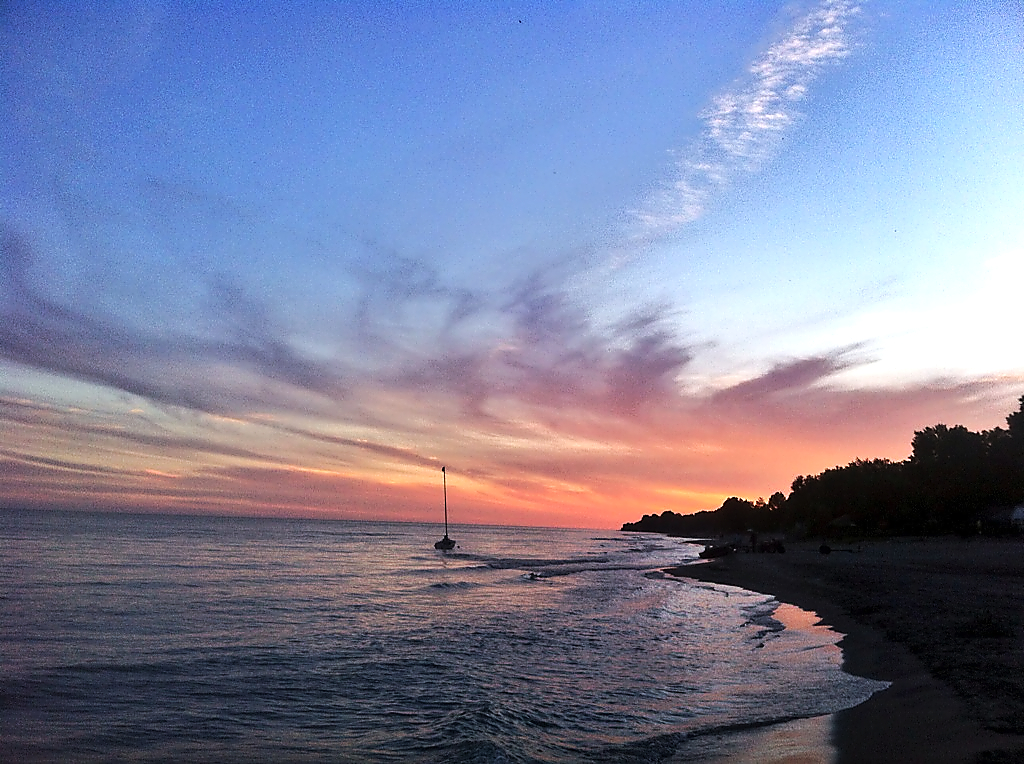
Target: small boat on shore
711 551
446 543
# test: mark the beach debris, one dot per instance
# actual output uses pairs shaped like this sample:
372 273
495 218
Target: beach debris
712 551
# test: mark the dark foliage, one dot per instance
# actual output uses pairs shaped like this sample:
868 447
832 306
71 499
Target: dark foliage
955 481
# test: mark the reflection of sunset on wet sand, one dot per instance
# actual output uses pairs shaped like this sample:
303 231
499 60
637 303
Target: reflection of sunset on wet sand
938 618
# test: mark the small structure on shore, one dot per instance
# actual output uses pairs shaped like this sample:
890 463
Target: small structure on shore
1002 521
711 551
1017 517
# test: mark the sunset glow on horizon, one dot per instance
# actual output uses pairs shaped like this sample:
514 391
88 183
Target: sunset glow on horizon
597 261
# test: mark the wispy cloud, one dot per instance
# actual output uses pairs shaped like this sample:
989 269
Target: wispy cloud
795 376
485 358
84 343
10 458
392 453
79 425
552 355
744 124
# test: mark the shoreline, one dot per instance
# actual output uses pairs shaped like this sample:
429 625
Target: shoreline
906 609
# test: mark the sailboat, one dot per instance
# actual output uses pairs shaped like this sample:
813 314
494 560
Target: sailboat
446 543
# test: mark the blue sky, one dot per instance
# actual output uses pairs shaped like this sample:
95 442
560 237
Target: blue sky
291 259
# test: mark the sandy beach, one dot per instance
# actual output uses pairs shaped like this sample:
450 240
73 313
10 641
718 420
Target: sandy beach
941 619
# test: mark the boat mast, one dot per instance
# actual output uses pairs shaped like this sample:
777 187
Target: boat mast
444 482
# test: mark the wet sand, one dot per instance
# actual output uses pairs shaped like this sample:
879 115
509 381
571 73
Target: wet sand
941 619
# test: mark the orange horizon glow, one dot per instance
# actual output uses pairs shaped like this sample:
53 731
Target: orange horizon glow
682 457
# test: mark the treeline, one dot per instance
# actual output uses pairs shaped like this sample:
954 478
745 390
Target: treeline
955 481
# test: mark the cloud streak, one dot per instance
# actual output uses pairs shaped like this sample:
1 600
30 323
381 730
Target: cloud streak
552 356
180 370
790 377
744 125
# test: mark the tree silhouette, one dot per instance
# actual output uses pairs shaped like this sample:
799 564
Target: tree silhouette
951 482
1015 424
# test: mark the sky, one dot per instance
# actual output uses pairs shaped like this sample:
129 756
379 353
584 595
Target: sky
598 259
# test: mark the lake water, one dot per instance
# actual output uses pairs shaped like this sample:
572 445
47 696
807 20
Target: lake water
177 638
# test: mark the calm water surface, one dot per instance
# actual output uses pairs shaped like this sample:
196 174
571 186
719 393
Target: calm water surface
154 638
